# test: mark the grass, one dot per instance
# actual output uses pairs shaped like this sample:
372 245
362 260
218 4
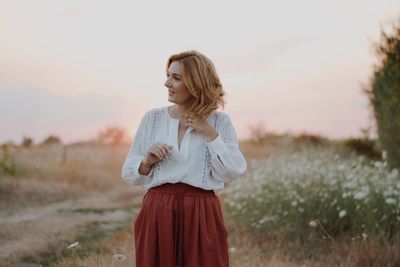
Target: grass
345 196
42 180
290 182
88 238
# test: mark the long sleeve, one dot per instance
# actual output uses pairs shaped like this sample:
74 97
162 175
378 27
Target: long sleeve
228 163
136 153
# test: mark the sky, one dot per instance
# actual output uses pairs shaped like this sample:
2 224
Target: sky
72 68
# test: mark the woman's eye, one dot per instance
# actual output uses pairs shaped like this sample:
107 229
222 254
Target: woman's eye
173 78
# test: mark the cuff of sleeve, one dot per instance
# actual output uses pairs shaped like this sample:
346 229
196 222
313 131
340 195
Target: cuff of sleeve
217 144
136 168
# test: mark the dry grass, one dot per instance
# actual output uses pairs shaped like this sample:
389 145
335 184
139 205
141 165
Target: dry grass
50 201
54 201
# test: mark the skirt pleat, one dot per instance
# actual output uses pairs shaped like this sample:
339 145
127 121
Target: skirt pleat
180 226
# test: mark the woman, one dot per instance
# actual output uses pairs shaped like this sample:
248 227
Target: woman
181 154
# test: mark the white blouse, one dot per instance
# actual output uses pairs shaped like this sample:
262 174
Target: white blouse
200 163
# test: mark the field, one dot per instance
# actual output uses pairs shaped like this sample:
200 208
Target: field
301 203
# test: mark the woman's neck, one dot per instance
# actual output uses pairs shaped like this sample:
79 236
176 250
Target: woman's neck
178 110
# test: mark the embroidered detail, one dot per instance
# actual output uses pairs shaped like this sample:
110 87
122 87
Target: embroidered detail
206 166
155 127
157 170
226 135
207 157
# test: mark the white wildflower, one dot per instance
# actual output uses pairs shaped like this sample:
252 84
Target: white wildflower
360 195
364 236
313 223
394 174
345 194
378 164
73 244
264 219
390 200
342 213
119 257
384 154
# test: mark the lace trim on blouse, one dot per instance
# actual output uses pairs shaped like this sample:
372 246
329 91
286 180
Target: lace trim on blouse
206 166
155 127
207 157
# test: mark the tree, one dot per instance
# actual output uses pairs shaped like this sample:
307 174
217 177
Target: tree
27 141
384 95
51 139
111 136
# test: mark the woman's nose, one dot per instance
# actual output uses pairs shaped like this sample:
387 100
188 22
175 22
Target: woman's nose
167 83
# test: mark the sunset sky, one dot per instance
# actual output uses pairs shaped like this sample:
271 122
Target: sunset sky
71 68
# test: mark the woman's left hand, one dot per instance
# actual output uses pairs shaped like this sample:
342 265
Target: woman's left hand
201 126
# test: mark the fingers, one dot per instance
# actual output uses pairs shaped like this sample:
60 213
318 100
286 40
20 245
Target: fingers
161 150
164 151
190 119
153 150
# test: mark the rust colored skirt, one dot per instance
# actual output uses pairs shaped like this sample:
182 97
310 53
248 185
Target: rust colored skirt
180 225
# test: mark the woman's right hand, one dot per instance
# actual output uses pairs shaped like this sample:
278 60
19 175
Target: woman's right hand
156 153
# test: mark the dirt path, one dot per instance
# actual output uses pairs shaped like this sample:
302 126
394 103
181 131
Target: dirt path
29 232
31 235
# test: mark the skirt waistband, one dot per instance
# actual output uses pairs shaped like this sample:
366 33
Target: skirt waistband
181 188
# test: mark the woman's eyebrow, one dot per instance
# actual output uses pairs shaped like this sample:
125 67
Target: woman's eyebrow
174 74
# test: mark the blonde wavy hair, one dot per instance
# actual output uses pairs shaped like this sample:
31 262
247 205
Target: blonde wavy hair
201 78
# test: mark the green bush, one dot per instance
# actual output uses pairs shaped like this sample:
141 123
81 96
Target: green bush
384 95
7 164
364 146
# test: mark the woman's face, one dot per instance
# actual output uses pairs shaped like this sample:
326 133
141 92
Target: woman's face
178 93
